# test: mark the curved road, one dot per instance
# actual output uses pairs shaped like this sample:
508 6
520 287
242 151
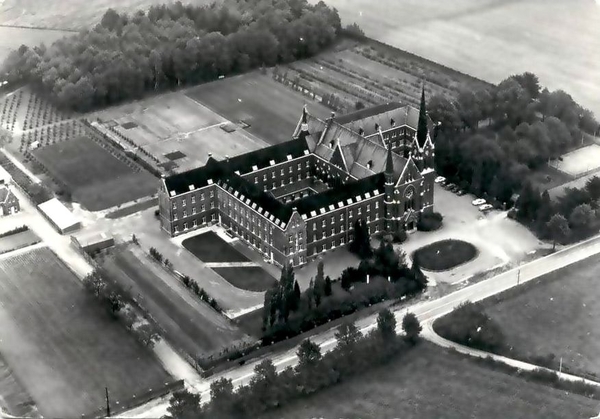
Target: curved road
426 311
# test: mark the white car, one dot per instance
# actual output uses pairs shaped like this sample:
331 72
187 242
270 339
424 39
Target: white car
478 202
485 207
439 179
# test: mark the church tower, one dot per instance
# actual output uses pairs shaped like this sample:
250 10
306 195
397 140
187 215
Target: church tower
422 135
389 190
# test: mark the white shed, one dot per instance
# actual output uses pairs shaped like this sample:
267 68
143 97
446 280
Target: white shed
59 216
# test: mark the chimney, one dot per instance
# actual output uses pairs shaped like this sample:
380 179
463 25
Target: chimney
392 122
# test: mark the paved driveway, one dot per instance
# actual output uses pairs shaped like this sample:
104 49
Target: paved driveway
500 240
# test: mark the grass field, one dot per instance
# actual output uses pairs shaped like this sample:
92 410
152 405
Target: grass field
97 179
558 316
432 383
191 326
17 241
491 39
62 345
250 278
13 38
209 247
445 254
271 109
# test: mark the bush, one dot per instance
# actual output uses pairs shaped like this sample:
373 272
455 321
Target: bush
400 236
429 221
469 325
156 255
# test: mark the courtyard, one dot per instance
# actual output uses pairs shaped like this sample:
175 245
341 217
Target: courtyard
499 240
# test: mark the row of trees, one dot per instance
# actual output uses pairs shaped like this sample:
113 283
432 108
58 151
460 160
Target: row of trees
489 140
383 275
574 215
125 56
269 390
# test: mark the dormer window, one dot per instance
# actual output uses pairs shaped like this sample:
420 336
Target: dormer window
392 122
331 144
369 164
361 131
376 127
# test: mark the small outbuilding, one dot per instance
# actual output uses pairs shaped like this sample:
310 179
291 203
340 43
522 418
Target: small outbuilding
9 203
59 216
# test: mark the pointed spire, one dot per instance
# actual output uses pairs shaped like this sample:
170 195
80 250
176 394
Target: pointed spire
422 124
389 163
304 122
304 115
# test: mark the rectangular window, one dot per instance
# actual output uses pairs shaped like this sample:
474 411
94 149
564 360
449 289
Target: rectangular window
299 176
333 231
299 166
290 168
174 206
193 199
202 196
314 226
212 194
359 211
342 241
323 223
350 214
212 205
185 226
281 172
184 213
213 217
255 179
376 205
202 207
195 223
183 203
265 177
194 210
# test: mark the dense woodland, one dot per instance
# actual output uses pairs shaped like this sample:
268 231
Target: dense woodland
490 140
124 56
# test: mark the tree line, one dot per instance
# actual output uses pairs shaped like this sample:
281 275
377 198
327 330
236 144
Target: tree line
268 389
489 140
124 56
382 274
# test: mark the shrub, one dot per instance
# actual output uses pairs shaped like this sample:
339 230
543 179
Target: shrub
400 236
469 325
156 255
429 221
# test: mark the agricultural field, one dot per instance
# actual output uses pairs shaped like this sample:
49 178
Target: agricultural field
558 315
12 38
175 130
188 324
71 14
358 75
432 383
94 176
17 241
62 345
492 39
268 109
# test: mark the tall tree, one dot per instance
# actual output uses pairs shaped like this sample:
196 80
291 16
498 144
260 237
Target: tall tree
327 289
361 243
319 285
386 325
411 327
185 405
558 228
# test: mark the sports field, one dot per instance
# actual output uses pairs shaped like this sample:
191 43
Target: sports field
432 383
271 109
559 316
176 129
62 346
189 325
558 40
96 178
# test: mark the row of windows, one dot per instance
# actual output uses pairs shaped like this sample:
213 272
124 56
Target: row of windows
340 229
194 223
193 199
282 172
350 215
185 212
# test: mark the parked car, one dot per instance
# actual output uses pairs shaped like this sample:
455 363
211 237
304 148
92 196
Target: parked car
486 207
461 192
454 189
449 186
478 202
440 179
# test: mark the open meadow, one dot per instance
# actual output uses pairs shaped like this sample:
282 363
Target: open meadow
491 39
556 317
62 345
271 110
432 383
94 176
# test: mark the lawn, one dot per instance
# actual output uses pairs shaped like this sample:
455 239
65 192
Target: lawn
97 179
271 109
432 383
17 241
209 247
62 345
250 278
445 254
190 325
558 315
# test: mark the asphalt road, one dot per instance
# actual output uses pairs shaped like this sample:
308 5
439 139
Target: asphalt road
426 312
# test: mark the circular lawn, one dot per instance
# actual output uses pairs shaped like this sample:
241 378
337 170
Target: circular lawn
445 254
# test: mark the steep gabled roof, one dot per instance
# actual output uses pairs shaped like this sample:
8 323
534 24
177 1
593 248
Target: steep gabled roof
243 163
340 194
403 115
376 154
367 112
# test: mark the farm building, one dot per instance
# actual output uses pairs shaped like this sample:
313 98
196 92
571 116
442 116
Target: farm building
295 200
92 242
59 216
9 203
